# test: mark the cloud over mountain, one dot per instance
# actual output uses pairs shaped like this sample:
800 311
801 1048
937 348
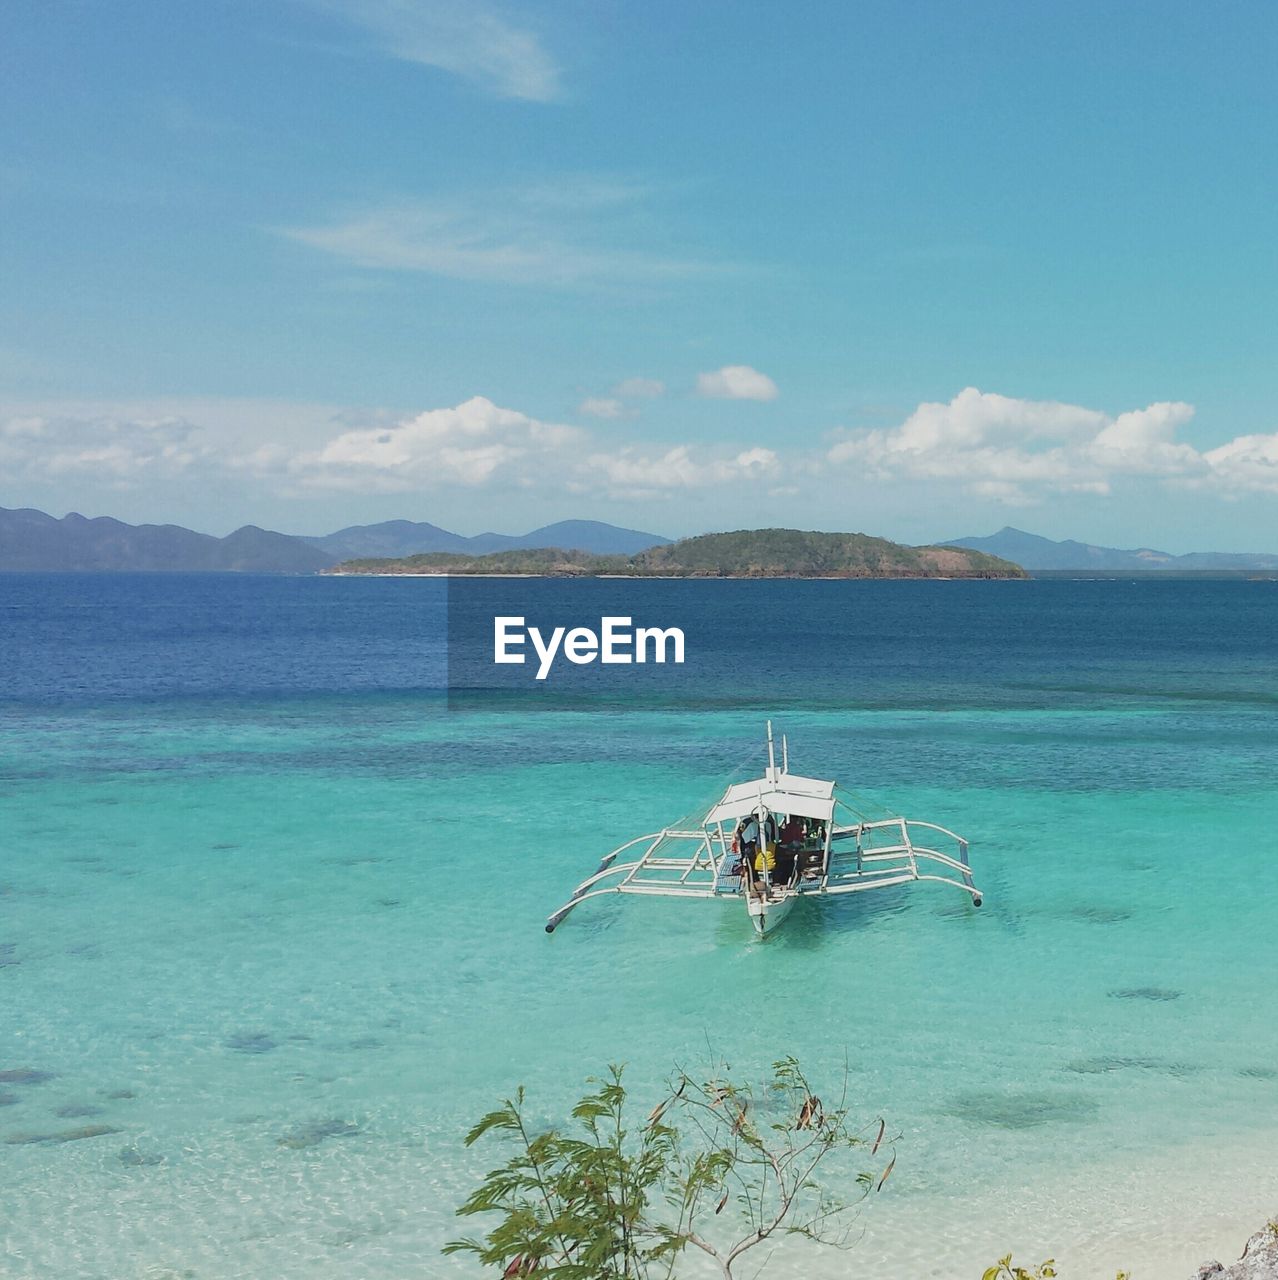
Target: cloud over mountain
1001 449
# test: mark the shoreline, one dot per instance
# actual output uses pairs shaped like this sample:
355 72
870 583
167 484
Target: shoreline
688 577
1146 1216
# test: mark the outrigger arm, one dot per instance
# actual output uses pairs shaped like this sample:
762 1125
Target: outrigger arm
703 861
880 865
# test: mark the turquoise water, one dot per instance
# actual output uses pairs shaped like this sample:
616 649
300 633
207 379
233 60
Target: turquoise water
262 879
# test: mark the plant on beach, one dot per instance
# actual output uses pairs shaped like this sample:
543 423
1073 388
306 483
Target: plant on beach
1006 1269
718 1167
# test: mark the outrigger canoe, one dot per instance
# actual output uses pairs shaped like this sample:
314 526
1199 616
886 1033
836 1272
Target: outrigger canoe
833 849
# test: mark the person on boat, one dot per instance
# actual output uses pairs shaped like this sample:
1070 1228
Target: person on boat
788 845
754 859
766 858
811 848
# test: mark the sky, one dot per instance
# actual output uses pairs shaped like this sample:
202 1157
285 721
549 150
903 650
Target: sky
917 269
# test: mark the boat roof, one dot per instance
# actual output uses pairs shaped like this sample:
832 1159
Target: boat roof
788 793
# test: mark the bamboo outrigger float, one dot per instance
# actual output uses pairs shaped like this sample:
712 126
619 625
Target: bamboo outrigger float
825 847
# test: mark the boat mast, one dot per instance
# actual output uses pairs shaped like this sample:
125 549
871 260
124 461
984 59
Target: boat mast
772 759
785 754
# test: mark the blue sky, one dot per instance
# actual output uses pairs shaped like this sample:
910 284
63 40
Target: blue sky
920 269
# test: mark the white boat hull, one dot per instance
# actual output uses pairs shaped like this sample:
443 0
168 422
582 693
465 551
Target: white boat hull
766 915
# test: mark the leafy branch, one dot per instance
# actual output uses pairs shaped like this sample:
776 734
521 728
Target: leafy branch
606 1199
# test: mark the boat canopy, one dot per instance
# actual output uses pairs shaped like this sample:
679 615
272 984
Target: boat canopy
787 793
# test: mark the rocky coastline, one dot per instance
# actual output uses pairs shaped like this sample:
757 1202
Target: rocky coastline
1259 1259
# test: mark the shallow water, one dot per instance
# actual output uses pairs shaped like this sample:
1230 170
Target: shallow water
271 909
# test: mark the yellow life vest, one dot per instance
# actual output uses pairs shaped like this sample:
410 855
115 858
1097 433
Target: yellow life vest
766 857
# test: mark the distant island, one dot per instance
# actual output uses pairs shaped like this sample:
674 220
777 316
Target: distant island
747 553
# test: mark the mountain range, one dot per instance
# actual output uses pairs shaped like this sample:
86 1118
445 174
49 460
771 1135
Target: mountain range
32 541
395 538
1035 554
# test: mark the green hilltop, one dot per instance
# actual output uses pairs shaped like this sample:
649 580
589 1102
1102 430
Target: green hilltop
748 553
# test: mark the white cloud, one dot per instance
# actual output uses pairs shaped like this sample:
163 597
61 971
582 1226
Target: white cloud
564 235
736 382
115 451
466 37
296 449
1247 463
1011 450
632 473
996 448
17 428
639 389
615 406
1142 442
602 407
476 443
753 462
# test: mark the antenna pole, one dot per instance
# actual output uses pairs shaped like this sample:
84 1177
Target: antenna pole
772 759
785 754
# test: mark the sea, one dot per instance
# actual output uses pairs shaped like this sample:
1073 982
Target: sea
275 865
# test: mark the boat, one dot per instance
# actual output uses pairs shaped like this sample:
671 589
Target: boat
814 838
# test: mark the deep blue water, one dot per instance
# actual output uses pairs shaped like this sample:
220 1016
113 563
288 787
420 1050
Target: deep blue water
87 638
